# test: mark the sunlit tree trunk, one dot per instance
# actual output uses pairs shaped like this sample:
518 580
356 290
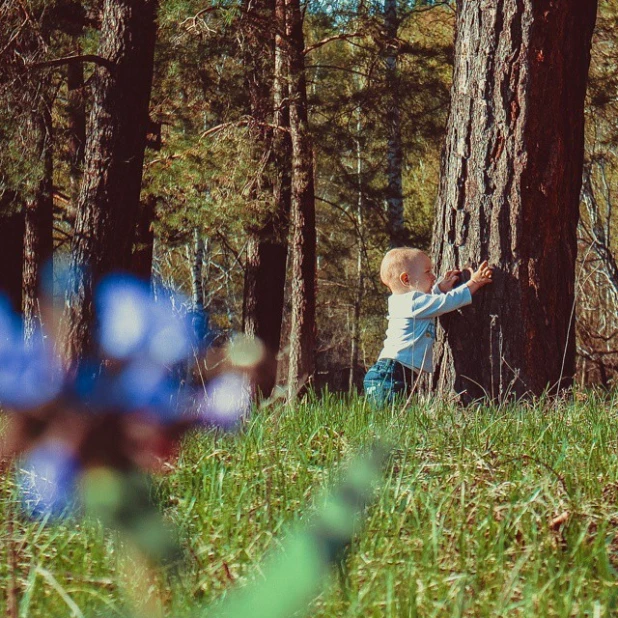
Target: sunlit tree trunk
303 236
116 138
196 252
509 193
39 208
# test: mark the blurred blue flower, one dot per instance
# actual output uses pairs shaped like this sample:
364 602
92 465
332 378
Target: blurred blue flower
30 375
140 383
145 386
226 400
47 480
133 324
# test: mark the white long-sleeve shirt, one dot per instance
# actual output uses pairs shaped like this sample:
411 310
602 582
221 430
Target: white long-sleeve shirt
412 324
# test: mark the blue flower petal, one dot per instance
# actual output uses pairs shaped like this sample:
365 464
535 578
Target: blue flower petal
47 480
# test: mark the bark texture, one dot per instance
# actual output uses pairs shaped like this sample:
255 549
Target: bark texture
267 245
303 236
509 193
108 201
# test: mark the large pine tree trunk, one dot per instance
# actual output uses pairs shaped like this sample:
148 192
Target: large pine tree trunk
303 240
509 193
394 152
38 234
109 197
267 246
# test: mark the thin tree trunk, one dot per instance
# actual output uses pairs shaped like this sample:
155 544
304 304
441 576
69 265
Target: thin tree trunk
38 233
394 154
196 252
360 272
12 227
109 197
267 246
509 193
599 232
303 241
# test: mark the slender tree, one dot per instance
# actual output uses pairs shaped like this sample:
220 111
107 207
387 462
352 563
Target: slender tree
39 208
116 138
11 248
303 235
196 252
394 153
509 192
360 271
265 264
27 158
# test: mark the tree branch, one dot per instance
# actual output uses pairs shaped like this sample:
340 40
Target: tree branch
241 123
336 37
336 68
99 60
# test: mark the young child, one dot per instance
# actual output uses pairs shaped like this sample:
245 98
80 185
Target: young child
415 303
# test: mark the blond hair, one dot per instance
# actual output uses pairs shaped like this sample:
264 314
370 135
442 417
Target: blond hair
395 262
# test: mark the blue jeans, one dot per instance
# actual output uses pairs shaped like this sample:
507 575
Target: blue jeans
386 380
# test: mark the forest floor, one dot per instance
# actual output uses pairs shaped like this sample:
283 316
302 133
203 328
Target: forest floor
503 511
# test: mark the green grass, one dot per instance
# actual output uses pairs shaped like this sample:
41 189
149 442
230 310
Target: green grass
461 525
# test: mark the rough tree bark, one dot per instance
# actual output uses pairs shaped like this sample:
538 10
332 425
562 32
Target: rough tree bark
116 138
394 152
267 245
303 237
509 193
39 209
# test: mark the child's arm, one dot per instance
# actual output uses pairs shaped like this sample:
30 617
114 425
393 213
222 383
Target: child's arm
427 306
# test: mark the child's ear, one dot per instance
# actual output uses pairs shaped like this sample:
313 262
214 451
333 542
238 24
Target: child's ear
404 278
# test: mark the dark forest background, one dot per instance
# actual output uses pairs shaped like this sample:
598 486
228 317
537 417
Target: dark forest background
207 146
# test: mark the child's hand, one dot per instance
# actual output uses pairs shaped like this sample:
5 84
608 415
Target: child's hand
449 280
480 277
